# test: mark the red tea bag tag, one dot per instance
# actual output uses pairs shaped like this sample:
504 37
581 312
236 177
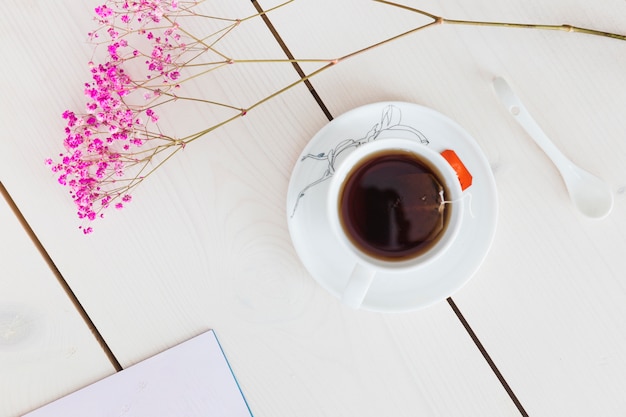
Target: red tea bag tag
465 178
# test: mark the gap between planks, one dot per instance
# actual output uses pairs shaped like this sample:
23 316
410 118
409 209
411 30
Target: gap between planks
290 56
107 350
487 357
450 301
61 280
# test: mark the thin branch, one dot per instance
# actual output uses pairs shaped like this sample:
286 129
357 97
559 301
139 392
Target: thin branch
564 27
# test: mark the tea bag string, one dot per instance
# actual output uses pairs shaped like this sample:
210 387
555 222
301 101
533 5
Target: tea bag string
466 195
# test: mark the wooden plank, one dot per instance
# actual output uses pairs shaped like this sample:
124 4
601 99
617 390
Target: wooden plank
46 350
205 244
547 304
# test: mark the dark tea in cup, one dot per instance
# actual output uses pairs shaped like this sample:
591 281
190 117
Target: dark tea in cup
392 205
396 206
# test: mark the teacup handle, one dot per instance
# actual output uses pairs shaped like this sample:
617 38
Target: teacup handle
358 285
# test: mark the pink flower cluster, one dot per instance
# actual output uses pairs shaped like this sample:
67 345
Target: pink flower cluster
141 58
140 9
162 45
97 142
106 139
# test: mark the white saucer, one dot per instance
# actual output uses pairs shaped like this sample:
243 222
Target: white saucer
326 259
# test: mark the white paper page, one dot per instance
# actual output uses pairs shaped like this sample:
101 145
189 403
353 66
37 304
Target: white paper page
192 379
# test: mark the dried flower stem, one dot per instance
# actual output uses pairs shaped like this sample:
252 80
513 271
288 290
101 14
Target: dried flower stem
113 145
564 27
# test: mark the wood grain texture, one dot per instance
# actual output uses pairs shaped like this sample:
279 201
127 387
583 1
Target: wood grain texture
549 301
46 350
204 244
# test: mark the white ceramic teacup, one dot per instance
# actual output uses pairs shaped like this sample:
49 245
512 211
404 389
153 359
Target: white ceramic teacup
366 266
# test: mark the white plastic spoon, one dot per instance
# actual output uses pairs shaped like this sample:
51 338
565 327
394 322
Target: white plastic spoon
590 195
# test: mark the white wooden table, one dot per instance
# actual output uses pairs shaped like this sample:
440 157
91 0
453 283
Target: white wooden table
540 330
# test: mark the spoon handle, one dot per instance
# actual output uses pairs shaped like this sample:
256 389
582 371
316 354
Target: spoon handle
523 117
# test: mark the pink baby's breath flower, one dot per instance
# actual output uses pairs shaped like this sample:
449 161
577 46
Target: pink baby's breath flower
112 33
111 143
152 115
104 11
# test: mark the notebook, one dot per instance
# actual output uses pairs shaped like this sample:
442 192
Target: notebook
192 379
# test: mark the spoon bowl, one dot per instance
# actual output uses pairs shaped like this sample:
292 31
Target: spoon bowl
589 194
